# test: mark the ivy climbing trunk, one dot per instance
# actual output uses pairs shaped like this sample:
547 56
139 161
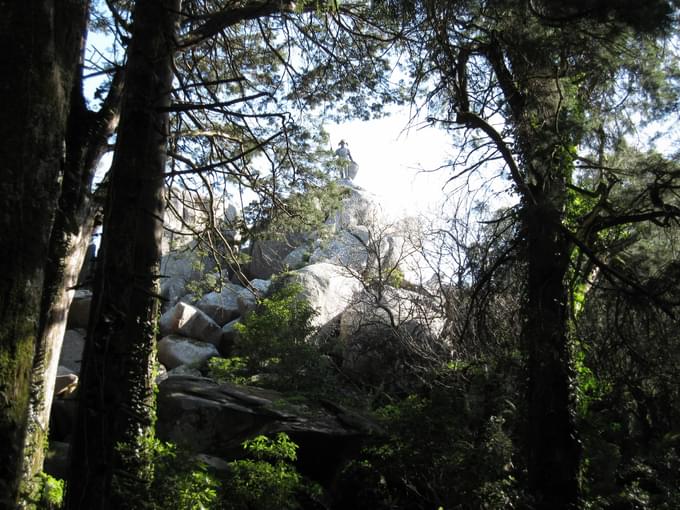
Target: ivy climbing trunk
545 138
110 462
545 141
41 42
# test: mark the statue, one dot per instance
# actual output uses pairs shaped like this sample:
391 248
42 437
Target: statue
348 167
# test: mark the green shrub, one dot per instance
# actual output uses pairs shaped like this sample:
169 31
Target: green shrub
273 339
267 480
181 482
228 370
44 492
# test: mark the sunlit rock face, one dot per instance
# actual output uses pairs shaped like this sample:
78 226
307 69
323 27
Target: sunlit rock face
188 321
175 350
360 207
329 288
188 212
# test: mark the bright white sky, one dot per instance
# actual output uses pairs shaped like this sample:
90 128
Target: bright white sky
394 161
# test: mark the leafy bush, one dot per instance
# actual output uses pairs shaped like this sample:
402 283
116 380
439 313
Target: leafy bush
273 339
181 481
232 370
268 479
44 492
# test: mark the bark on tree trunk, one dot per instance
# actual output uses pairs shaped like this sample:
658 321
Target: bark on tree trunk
86 140
554 449
535 100
41 41
110 467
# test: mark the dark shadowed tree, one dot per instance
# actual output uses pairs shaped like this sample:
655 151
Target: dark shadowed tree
78 209
114 429
43 40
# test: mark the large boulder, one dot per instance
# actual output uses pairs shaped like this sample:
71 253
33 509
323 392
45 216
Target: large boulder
328 288
379 333
297 258
347 249
72 348
175 350
221 306
178 269
186 320
394 251
211 418
247 298
184 370
267 255
392 308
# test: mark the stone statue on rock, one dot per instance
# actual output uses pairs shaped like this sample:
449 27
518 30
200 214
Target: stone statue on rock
348 167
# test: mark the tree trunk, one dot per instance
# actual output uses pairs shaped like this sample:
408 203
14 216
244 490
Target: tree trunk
553 445
86 140
110 465
554 450
41 41
545 140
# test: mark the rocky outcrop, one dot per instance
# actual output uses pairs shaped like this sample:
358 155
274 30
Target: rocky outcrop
328 288
179 268
348 249
215 419
379 333
175 350
267 256
394 308
248 298
186 320
221 306
359 208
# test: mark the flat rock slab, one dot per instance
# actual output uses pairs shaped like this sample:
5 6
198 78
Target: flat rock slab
175 351
215 419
